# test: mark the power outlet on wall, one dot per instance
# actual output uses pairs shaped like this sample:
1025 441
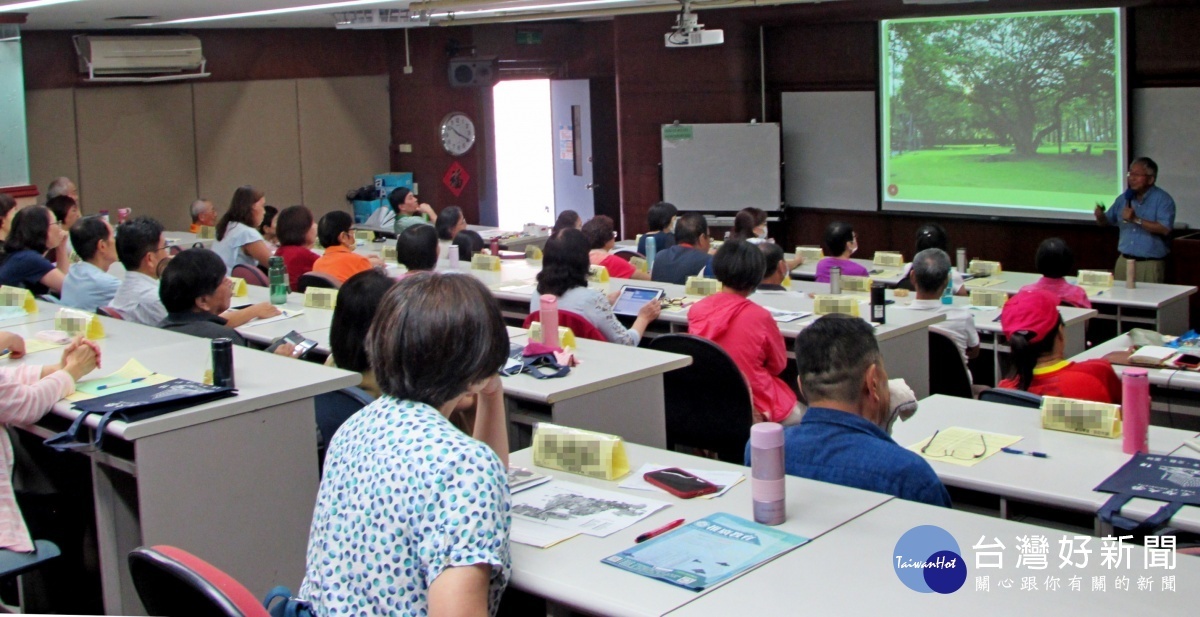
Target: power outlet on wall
404 148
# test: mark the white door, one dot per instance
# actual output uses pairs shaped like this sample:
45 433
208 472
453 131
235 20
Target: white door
571 117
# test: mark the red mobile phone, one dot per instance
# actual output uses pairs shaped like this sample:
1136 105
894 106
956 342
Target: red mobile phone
680 483
1188 360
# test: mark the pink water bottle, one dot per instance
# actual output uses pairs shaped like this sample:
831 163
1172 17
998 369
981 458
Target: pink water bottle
495 246
549 319
1135 410
767 473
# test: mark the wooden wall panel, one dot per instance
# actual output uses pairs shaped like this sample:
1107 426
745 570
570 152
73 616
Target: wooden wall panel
345 129
53 148
247 132
137 150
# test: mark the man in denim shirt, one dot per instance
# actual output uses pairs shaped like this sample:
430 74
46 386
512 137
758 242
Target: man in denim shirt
1144 215
843 438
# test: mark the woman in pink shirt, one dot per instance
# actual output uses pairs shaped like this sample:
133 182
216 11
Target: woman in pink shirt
27 392
1055 261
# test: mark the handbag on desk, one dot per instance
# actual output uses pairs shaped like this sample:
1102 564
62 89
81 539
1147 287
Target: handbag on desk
1175 480
536 359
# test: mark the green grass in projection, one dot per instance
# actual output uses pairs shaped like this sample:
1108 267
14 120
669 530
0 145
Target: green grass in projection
1073 180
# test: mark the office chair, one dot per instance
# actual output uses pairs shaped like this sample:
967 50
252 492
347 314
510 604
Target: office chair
171 581
13 563
319 280
333 409
253 276
947 373
1007 396
576 322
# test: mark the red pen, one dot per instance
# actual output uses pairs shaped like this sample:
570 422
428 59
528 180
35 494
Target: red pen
654 533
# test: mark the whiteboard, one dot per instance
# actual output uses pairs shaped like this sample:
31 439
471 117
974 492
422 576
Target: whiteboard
830 145
722 167
1164 128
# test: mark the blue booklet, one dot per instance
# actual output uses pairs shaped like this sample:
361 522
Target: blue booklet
706 552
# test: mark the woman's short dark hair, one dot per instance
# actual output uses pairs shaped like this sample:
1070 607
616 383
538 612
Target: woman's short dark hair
659 216
772 254
932 236
745 221
837 236
565 263
446 220
568 219
739 265
60 206
7 203
29 229
468 242
332 226
192 274
269 213
397 197
435 335
241 209
352 317
598 231
417 248
1054 258
292 226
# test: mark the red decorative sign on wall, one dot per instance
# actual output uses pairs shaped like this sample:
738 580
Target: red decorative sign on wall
456 178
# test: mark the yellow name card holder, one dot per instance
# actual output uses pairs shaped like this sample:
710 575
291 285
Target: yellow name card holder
364 235
595 455
1095 278
239 287
566 338
490 263
597 274
988 297
810 253
388 253
856 283
533 253
1083 417
207 232
639 264
322 298
890 259
79 323
700 286
825 304
979 267
15 296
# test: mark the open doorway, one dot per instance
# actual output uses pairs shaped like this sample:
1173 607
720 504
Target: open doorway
524 153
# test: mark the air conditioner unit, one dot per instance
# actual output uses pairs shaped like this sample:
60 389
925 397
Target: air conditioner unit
140 58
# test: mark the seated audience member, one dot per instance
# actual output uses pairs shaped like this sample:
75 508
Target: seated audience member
929 276
775 271
452 229
204 214
844 437
661 222
750 224
8 209
196 293
1037 337
238 239
564 274
88 285
1055 261
747 332
297 232
27 393
62 185
409 211
267 227
602 238
689 256
568 219
66 212
141 249
932 236
840 243
450 553
417 248
359 298
336 234
24 263
468 242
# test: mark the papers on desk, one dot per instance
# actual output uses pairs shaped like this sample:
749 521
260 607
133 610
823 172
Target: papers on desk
962 446
35 344
982 282
783 316
724 479
520 479
705 552
1152 355
581 509
283 314
129 377
1093 291
522 287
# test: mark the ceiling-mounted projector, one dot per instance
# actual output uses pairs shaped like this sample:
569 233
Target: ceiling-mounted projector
688 32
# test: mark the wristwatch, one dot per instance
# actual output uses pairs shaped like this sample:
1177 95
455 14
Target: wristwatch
1137 221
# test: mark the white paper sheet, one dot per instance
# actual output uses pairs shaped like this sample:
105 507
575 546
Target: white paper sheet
283 314
582 509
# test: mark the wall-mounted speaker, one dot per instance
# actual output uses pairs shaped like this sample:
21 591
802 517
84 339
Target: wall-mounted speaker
468 72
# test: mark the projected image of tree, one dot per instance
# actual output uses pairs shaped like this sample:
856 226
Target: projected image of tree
1016 111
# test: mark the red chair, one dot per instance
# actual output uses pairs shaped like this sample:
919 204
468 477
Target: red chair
576 322
109 311
253 276
172 581
626 253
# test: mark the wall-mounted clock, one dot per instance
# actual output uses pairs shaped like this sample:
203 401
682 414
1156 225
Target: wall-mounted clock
458 133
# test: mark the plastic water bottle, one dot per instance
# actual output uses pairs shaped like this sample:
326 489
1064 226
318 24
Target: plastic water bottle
835 280
960 260
948 292
549 319
277 272
453 256
651 251
1135 411
767 483
495 246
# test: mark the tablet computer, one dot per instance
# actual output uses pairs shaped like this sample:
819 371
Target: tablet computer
632 299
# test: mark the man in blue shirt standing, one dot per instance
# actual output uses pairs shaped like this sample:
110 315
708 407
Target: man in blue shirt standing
844 436
1144 214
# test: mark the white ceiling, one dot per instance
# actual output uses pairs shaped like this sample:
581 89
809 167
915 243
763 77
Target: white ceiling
96 14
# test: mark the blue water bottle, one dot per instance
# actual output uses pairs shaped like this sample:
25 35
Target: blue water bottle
948 292
650 252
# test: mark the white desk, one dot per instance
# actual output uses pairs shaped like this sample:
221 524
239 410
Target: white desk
850 572
1171 390
572 574
187 239
889 275
1075 320
46 312
1077 463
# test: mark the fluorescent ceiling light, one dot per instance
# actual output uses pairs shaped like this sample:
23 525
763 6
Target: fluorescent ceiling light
291 9
531 7
21 6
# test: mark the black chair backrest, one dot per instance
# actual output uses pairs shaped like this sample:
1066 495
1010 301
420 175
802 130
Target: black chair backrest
708 403
309 279
947 373
166 587
1006 396
333 409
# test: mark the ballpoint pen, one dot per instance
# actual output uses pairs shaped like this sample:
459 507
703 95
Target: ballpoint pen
118 385
654 533
1016 451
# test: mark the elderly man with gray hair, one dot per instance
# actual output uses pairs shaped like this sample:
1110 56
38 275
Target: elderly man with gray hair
204 214
929 276
60 186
